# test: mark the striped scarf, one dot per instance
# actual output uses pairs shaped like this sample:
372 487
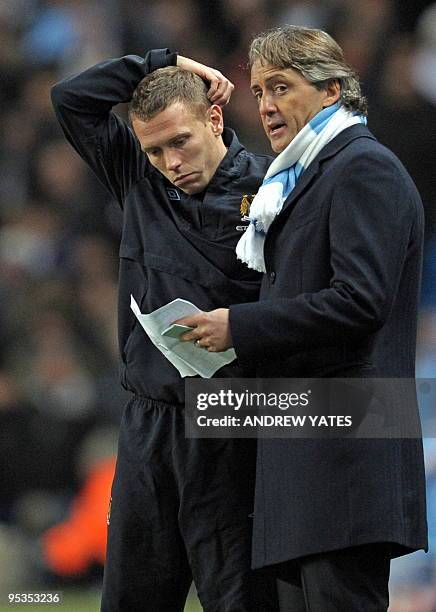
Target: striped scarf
283 175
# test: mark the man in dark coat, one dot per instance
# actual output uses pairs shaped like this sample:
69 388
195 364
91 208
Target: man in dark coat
337 227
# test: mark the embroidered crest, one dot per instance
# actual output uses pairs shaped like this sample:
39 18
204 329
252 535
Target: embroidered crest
245 204
173 194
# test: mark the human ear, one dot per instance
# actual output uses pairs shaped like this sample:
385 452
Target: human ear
216 120
332 92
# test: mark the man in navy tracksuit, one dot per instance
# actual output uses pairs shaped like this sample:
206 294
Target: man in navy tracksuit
180 507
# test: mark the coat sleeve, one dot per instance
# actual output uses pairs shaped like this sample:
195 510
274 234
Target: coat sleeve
83 105
373 209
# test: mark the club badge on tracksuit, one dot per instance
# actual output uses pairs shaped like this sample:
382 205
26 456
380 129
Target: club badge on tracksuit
245 210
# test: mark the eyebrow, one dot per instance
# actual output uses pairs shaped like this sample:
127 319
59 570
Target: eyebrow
168 142
272 77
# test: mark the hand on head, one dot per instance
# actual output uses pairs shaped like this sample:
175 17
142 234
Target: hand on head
220 88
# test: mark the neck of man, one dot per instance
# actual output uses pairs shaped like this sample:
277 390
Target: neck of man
218 154
221 151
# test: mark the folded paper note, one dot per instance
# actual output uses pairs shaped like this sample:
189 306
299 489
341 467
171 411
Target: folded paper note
189 359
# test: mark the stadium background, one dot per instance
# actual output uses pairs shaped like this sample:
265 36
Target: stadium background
60 402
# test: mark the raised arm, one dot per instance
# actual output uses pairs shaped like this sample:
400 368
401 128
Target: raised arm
220 88
83 105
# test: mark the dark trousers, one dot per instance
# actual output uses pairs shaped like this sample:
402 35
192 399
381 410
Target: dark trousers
180 512
349 580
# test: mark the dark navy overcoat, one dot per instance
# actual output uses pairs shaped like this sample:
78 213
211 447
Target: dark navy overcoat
339 298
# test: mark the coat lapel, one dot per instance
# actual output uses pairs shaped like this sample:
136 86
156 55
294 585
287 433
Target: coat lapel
331 149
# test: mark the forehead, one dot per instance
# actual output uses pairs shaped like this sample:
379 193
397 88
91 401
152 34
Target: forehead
262 72
176 119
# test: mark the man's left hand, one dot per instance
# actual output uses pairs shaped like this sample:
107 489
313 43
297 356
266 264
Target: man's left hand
211 330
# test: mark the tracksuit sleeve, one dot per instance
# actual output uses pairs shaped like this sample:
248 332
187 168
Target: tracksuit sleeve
83 105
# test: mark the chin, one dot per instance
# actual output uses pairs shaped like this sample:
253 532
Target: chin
192 190
194 187
277 147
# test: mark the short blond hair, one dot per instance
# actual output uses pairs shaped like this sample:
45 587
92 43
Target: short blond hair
163 87
315 54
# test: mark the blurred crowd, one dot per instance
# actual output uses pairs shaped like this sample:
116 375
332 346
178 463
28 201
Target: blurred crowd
60 400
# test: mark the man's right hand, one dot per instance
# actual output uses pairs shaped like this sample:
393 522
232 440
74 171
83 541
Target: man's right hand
220 88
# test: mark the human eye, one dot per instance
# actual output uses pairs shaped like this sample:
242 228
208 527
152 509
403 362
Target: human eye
152 152
280 88
257 94
179 142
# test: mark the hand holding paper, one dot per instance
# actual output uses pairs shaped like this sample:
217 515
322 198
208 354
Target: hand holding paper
163 328
211 330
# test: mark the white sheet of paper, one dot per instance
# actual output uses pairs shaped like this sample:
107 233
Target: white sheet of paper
189 359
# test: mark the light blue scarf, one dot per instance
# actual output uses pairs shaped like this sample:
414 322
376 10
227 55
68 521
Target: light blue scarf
283 175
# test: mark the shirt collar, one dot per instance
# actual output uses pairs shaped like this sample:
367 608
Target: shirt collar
230 166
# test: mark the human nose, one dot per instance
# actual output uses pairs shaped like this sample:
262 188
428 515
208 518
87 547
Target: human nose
172 160
266 105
